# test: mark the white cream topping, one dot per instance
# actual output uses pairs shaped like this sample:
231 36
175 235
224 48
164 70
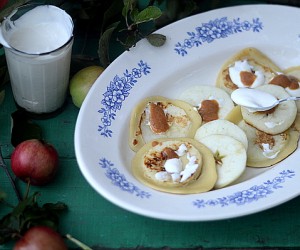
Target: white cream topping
181 150
173 165
293 92
189 169
174 169
252 98
268 152
163 176
240 66
175 177
273 124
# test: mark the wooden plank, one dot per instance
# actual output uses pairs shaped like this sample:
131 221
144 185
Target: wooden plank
97 222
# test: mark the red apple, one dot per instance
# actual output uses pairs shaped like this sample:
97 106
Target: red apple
41 238
2 3
35 161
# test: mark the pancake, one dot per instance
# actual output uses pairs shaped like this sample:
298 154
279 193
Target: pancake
265 150
276 120
295 91
196 174
247 68
159 117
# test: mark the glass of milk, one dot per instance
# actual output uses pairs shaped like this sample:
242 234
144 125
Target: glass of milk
37 41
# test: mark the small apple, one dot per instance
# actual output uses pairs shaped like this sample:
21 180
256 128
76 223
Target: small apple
81 83
3 3
35 161
41 237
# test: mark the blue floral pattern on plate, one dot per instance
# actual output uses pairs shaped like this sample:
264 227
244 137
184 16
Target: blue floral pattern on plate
254 193
120 180
216 29
243 197
116 92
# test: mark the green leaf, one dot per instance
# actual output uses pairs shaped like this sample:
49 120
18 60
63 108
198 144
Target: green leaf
148 14
156 40
29 213
130 41
23 128
128 7
133 14
104 42
112 14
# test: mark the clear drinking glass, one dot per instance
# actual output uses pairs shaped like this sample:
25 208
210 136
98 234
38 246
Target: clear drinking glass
37 41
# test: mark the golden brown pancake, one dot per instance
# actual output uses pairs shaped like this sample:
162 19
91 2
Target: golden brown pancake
159 117
256 59
150 161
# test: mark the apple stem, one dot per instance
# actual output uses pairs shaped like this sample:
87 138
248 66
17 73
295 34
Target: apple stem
27 189
78 243
3 165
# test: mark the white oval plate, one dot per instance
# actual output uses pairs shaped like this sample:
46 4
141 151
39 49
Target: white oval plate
194 52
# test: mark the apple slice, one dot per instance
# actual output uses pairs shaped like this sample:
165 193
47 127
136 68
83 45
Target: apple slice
159 117
295 73
276 120
198 95
222 127
150 167
265 149
230 156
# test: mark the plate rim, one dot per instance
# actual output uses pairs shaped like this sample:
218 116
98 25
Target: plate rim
131 207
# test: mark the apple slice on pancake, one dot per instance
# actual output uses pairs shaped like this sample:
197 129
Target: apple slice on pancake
178 165
265 150
159 117
212 103
276 120
294 73
248 68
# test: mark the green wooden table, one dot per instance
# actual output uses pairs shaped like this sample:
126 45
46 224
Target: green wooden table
100 224
97 222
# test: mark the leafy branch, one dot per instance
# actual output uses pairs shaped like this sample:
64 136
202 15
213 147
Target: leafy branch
27 212
129 32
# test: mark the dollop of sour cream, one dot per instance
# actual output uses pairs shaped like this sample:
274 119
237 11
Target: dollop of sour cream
252 98
268 152
293 92
273 124
240 66
174 169
189 169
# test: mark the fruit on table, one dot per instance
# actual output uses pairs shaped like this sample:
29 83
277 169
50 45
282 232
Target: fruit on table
3 3
81 83
41 237
35 161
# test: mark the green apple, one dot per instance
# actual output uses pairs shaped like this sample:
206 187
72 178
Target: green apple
81 83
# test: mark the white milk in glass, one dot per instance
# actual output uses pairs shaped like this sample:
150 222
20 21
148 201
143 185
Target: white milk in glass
38 47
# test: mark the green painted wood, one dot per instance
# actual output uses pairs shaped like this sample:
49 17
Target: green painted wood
97 222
